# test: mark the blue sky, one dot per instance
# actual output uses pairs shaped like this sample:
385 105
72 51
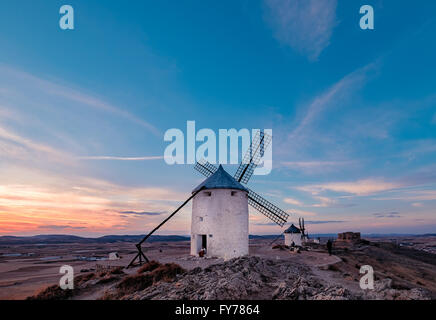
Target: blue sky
353 111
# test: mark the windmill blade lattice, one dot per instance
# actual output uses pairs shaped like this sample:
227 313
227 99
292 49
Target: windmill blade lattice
205 168
265 207
259 203
252 157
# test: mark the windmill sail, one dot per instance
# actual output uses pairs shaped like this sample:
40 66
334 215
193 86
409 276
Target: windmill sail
259 203
265 207
252 157
303 229
205 168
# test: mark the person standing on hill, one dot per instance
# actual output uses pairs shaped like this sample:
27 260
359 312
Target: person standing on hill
329 246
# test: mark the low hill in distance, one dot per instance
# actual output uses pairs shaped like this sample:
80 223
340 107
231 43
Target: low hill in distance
59 238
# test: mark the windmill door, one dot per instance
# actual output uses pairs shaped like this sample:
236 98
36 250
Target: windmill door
204 241
200 242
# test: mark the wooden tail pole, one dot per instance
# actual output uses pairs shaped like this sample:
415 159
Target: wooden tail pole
140 254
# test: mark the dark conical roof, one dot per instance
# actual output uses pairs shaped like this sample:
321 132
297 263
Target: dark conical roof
292 229
220 180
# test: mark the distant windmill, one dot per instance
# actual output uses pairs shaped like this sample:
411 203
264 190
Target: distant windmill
304 234
219 224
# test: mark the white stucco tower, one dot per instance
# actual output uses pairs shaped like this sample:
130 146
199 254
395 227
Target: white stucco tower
220 217
293 235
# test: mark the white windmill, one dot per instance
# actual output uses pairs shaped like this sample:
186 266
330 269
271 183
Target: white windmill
220 207
219 223
293 236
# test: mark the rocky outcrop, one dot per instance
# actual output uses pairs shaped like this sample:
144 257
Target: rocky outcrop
245 278
257 278
383 291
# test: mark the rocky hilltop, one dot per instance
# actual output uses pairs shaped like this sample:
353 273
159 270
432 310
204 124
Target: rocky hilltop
245 278
257 278
241 278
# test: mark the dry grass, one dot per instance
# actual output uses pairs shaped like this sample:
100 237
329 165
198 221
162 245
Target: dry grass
52 293
111 271
117 270
108 279
84 278
166 272
101 277
150 266
134 283
151 273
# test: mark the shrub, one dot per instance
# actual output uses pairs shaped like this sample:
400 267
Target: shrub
108 278
52 293
83 278
134 283
166 272
333 267
145 279
149 266
117 270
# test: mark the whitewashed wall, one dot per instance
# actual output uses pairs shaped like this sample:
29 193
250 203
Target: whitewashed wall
295 237
224 219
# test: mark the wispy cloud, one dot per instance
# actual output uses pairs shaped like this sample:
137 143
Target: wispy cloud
17 146
360 187
412 195
324 202
313 164
302 213
143 213
323 221
60 227
393 214
306 134
333 96
417 205
31 109
55 89
304 25
293 201
315 167
121 158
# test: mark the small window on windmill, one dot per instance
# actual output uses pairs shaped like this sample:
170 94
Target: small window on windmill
200 218
234 193
210 236
208 193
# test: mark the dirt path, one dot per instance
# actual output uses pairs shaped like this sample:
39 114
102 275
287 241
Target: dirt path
316 258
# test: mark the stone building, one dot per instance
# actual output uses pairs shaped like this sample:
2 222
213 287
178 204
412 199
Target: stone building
349 236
